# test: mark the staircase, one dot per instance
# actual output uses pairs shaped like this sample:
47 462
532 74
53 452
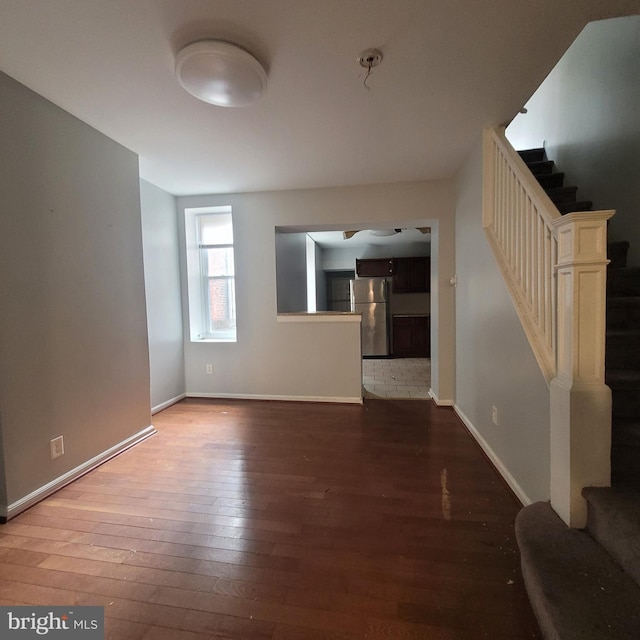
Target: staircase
622 363
585 584
565 198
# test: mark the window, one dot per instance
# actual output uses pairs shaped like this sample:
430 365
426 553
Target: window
210 267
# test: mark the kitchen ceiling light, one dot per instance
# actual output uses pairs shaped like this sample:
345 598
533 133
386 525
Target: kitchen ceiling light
220 73
382 233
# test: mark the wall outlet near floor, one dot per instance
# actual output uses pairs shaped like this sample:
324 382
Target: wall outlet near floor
494 414
57 447
209 369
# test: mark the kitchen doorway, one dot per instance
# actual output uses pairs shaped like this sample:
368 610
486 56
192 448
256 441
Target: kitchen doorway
398 378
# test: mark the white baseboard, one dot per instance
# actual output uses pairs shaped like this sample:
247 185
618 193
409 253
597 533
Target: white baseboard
249 396
438 401
168 403
39 494
491 454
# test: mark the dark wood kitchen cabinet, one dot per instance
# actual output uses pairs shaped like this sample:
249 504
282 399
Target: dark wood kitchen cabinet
374 267
411 336
411 275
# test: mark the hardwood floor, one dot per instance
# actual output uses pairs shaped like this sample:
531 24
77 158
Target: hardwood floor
283 521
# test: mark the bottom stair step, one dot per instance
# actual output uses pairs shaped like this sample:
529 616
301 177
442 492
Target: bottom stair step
576 589
614 521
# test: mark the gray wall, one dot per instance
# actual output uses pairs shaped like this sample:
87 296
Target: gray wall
586 115
73 335
291 271
494 362
162 285
273 358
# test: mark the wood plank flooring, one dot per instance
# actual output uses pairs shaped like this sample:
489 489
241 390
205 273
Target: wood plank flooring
253 520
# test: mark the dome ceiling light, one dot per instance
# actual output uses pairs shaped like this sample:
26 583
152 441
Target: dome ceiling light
220 73
383 233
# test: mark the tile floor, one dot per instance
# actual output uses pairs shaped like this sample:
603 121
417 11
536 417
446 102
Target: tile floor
396 378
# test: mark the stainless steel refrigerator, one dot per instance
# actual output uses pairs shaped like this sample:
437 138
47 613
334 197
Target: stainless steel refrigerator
369 297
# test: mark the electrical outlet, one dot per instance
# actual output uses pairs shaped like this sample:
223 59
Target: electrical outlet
209 368
57 447
494 414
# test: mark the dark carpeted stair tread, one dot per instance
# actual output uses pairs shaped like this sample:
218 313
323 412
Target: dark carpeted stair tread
614 521
622 320
627 271
623 312
625 471
619 340
622 349
623 335
551 180
562 194
617 253
623 282
625 392
533 155
570 207
541 167
623 378
576 589
623 301
625 476
626 432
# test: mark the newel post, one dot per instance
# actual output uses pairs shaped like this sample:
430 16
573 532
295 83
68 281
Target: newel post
580 400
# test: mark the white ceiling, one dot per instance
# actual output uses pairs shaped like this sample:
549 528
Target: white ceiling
450 68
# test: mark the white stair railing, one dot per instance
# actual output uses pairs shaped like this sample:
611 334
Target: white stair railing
555 270
518 219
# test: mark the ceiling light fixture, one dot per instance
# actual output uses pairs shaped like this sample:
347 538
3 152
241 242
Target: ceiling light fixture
220 73
368 59
382 233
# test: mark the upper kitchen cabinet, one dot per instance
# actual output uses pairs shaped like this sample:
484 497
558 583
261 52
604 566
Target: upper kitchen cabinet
374 267
411 275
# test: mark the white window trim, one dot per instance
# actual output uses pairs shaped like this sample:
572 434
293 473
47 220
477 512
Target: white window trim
196 280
